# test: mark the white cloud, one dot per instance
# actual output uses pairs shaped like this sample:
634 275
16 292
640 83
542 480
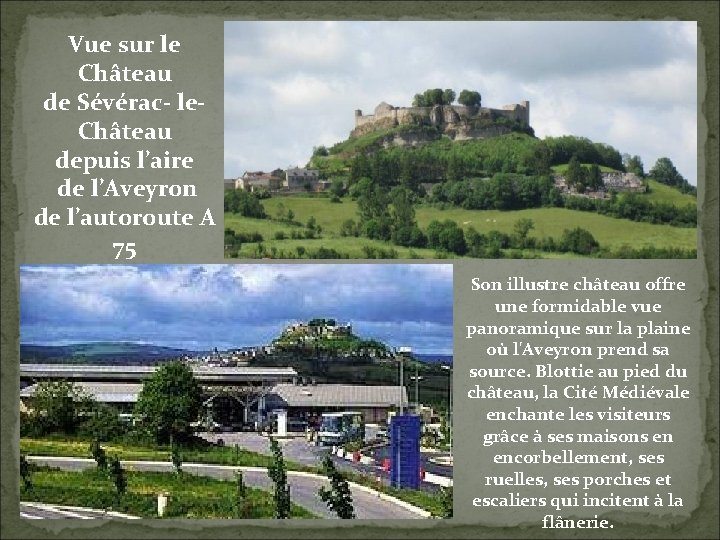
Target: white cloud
229 305
294 85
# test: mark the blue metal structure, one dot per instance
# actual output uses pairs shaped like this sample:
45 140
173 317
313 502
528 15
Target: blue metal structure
405 451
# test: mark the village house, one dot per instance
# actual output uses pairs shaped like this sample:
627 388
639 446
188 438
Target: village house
612 181
298 178
250 181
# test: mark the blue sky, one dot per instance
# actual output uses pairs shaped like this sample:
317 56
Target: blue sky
203 306
292 85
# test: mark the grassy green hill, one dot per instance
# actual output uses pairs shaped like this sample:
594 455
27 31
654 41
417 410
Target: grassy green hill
610 232
661 193
419 175
108 352
512 148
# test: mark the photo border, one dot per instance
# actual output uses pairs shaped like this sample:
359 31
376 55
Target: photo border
704 522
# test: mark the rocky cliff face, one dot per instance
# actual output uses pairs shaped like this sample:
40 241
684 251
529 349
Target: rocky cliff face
457 123
410 138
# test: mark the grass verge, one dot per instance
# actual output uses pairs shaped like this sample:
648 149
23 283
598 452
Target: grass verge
189 496
226 455
212 455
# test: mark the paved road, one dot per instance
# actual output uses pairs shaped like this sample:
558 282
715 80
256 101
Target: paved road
297 449
303 486
36 510
428 466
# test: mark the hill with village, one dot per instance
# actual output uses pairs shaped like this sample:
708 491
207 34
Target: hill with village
440 179
321 350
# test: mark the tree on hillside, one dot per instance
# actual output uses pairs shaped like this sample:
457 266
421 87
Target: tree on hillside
170 401
665 172
521 229
633 164
238 201
434 96
455 168
418 100
469 98
579 240
446 236
576 175
374 214
404 228
337 188
540 160
448 96
594 177
359 168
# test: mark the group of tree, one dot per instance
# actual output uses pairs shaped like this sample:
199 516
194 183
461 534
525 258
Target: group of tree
665 172
438 96
63 407
583 178
168 403
384 215
635 207
238 201
634 164
505 191
434 96
447 161
388 214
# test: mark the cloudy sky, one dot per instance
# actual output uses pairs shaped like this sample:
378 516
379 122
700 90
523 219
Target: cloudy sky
290 86
200 307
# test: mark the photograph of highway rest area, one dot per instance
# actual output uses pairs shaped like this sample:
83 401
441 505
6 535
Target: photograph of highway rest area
410 140
318 422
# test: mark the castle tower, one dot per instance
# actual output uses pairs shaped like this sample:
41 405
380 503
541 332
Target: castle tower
526 106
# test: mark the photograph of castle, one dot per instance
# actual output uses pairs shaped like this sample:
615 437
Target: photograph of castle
272 391
395 140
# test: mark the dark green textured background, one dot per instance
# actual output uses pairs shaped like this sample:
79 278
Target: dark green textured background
704 522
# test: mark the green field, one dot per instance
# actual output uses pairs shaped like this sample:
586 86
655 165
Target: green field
612 233
189 496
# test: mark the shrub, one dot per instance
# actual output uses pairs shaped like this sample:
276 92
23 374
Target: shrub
26 473
98 454
338 497
118 476
278 474
579 240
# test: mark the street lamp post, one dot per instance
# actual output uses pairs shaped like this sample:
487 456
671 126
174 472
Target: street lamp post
402 384
450 426
416 378
400 353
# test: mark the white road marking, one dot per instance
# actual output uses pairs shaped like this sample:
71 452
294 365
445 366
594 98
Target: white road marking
29 516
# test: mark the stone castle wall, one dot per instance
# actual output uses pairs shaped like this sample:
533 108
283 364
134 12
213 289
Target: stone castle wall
387 115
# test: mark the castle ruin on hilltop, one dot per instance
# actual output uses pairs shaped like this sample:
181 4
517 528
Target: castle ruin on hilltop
457 121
